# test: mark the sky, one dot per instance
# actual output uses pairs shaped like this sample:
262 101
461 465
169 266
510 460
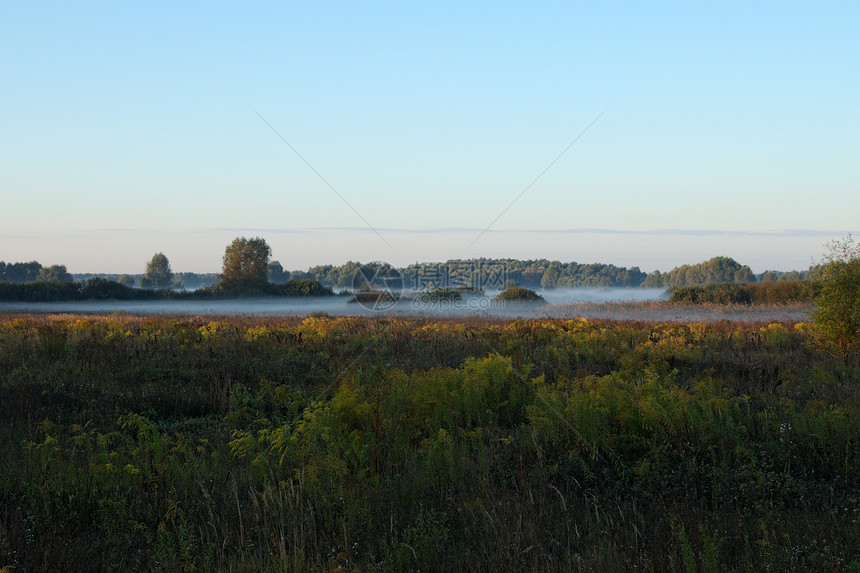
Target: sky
637 134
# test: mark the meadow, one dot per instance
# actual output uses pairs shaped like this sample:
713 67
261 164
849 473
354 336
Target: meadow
415 444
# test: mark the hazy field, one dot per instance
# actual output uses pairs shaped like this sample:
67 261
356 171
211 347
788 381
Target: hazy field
598 303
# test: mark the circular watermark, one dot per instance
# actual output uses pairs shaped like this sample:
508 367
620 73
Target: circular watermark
377 286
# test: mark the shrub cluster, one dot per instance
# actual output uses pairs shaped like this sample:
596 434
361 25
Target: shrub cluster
771 292
519 294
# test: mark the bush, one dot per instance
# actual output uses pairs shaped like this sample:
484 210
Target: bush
519 294
837 301
303 287
782 292
40 291
439 294
103 289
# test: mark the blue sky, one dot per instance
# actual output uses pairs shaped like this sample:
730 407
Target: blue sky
730 129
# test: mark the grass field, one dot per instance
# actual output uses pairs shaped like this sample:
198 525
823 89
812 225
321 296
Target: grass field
389 444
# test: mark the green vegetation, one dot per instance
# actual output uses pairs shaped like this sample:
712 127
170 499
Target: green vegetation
245 259
17 273
530 273
543 273
519 294
783 276
54 274
300 287
125 280
276 273
50 291
246 265
389 445
104 289
837 301
715 270
245 274
771 292
158 273
181 280
438 294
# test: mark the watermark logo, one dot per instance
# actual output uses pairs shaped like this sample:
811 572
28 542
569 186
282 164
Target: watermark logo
377 286
455 285
431 303
463 275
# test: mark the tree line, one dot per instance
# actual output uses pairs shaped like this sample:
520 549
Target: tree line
246 272
33 271
246 258
544 273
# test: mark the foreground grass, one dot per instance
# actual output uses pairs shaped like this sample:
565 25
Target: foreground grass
388 445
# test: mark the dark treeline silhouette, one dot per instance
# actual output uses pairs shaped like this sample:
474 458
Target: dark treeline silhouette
19 272
103 289
181 280
33 282
543 273
484 273
92 289
247 272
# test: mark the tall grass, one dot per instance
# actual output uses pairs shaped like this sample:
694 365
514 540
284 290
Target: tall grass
299 444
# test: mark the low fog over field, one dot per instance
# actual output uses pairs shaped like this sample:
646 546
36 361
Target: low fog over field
617 303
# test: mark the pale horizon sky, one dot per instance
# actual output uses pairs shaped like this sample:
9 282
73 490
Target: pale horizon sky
730 130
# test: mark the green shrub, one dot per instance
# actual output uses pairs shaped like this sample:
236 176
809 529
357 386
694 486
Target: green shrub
837 300
519 294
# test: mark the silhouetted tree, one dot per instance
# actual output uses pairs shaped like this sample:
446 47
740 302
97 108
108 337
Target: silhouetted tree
19 272
276 273
125 280
246 264
158 273
54 274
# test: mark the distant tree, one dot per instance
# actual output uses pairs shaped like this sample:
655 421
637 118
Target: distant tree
20 272
654 279
771 276
125 280
194 281
715 270
158 273
836 318
246 264
276 273
550 276
54 274
744 275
